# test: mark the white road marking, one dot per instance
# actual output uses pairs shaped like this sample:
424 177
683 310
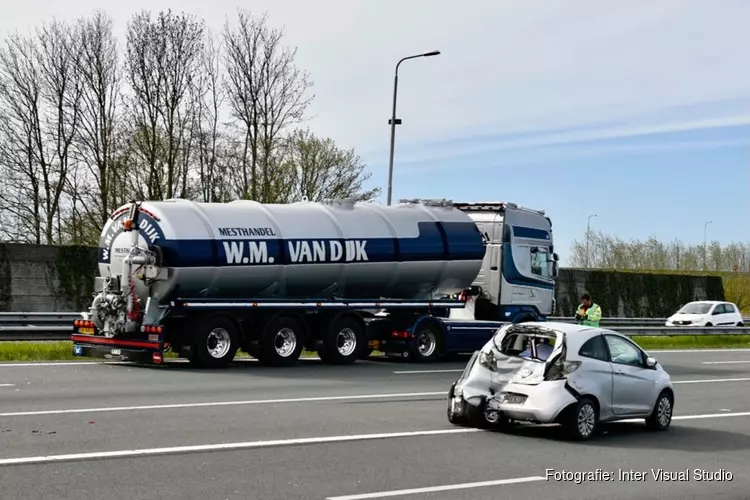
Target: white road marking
224 403
281 442
85 363
433 489
7 385
711 380
710 415
282 401
725 362
229 446
697 417
406 372
62 363
738 349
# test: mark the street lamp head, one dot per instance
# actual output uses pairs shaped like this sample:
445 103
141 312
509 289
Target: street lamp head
433 53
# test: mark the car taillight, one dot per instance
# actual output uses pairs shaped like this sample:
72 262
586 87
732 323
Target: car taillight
561 369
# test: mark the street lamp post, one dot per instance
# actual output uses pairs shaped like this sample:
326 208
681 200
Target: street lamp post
393 121
705 242
588 236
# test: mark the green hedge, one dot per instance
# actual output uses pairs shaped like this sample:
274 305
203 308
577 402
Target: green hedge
641 294
76 268
6 297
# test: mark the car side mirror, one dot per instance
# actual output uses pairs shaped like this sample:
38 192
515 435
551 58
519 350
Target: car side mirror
650 362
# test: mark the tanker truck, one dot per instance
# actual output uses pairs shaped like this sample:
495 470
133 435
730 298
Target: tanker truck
419 279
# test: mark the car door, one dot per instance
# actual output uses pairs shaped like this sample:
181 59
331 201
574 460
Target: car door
633 383
595 377
728 315
717 315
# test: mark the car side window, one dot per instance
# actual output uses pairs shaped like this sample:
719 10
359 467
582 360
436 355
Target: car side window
729 309
594 348
623 352
719 309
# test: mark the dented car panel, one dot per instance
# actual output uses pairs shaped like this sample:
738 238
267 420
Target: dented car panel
541 372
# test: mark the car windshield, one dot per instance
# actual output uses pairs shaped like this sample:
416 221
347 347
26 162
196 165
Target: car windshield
695 308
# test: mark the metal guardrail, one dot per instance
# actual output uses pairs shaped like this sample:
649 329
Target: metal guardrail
34 333
45 326
37 326
627 321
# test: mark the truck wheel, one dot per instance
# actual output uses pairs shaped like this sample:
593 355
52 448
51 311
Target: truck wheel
343 342
427 343
281 342
215 343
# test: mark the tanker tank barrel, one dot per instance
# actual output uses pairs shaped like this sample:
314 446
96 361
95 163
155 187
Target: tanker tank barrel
349 249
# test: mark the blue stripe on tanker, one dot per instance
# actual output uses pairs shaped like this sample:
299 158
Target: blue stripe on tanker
436 241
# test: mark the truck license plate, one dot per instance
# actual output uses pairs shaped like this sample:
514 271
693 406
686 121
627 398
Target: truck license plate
116 352
374 344
86 331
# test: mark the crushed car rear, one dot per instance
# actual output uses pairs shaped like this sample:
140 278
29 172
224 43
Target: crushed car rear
520 374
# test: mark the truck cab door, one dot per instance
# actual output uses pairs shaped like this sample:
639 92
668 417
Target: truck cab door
489 276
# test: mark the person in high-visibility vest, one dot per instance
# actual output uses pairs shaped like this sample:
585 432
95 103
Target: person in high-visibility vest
588 313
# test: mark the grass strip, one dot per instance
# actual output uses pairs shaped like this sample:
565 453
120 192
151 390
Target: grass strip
63 350
693 342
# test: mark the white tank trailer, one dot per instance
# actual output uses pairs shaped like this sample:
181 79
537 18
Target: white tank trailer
205 279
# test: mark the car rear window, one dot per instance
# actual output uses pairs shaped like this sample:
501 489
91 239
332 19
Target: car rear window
528 345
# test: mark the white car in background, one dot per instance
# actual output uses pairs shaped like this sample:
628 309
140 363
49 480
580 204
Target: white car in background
707 313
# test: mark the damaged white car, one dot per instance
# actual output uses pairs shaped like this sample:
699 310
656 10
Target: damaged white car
573 375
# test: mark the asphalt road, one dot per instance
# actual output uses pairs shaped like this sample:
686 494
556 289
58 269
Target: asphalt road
115 431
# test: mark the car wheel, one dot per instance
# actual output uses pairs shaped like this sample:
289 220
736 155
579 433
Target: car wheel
740 324
661 417
582 421
709 325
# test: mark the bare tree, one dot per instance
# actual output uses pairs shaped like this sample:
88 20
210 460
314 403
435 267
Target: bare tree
243 45
101 75
308 167
266 92
41 95
85 127
283 97
162 56
209 95
21 137
610 252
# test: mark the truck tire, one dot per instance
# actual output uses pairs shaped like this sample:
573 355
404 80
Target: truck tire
281 342
215 342
427 342
344 341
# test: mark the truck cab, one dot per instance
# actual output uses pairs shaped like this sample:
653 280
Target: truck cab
516 283
517 280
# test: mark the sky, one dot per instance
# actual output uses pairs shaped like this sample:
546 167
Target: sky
636 111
